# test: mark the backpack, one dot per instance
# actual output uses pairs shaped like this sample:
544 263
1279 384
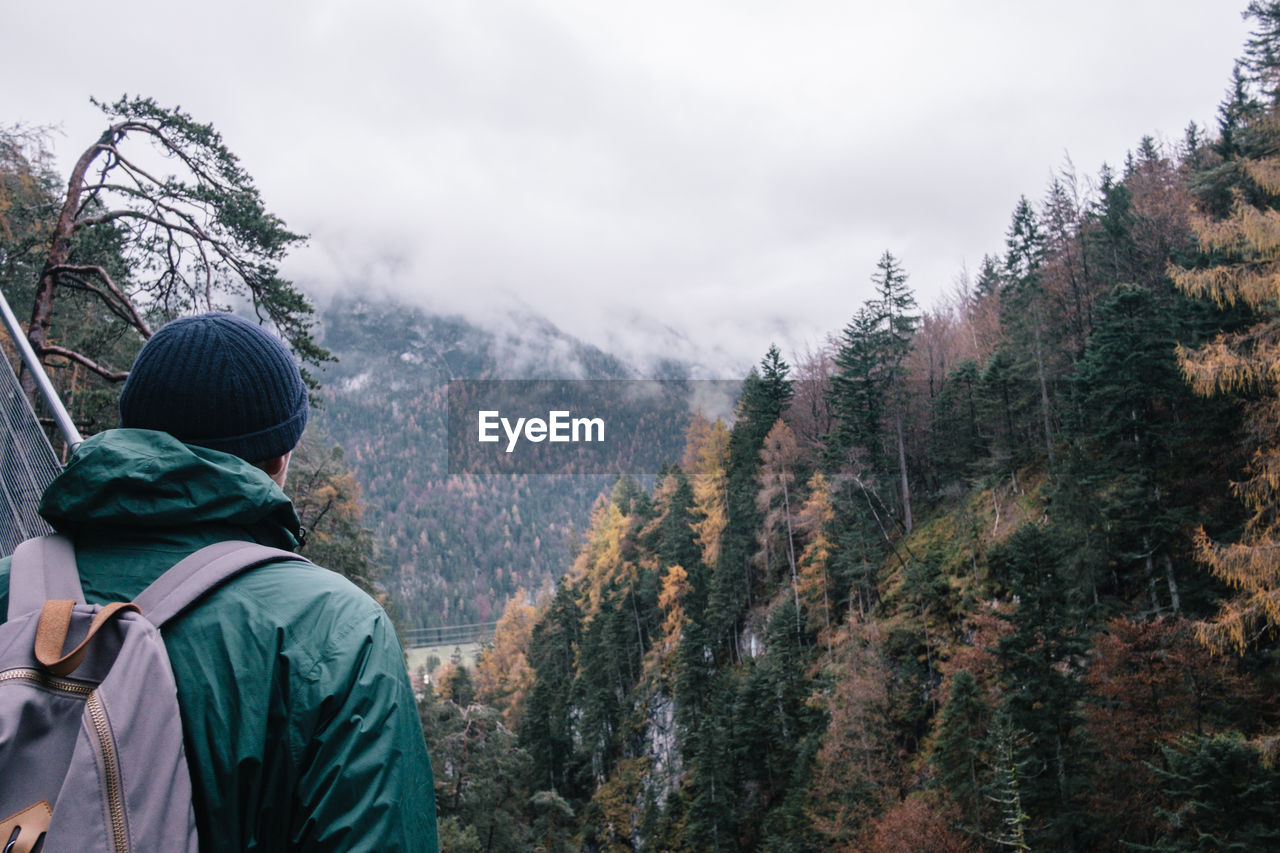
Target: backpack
91 755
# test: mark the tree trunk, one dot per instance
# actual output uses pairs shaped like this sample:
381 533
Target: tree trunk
59 252
791 548
1044 386
902 468
1173 583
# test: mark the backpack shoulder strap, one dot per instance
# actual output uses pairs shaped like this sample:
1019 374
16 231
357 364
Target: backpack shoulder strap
179 587
43 569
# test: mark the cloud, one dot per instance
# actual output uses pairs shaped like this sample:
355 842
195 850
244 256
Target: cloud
660 176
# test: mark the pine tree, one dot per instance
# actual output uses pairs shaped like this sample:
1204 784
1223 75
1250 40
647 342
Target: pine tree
1222 796
550 730
958 752
1134 427
1023 302
480 772
1262 49
869 385
1039 663
857 396
956 442
897 305
765 395
189 239
677 545
1007 411
1111 238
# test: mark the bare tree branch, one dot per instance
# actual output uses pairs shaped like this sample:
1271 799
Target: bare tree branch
75 282
71 355
134 317
189 232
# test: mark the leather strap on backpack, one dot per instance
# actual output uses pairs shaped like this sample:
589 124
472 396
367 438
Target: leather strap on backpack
22 831
52 629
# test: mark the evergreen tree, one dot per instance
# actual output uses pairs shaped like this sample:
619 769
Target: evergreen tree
552 822
956 442
1222 796
1111 238
1039 664
29 200
989 282
1024 306
677 545
713 789
773 721
765 395
958 754
550 731
897 305
1007 411
1006 744
480 774
857 396
1262 49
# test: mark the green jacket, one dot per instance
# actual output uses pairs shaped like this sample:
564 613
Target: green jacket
300 726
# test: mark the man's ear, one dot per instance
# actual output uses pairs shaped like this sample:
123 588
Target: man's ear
277 469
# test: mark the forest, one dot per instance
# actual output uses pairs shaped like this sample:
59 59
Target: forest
992 574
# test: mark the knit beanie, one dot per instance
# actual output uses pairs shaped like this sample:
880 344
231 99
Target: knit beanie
221 382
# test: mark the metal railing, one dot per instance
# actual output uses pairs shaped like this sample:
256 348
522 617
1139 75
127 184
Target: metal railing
27 460
449 635
61 417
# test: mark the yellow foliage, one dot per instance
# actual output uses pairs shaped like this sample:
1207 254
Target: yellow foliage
1249 234
1264 173
813 519
599 562
675 586
442 678
1228 284
707 451
503 677
1247 361
616 812
1225 365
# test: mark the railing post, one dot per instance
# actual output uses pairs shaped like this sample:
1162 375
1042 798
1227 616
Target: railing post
61 417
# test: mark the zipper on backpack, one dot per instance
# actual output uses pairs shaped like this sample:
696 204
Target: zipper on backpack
52 682
111 765
98 717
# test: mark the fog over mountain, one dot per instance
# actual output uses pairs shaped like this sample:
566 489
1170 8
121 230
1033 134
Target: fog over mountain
651 177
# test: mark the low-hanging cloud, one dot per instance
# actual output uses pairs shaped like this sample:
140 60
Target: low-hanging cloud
670 178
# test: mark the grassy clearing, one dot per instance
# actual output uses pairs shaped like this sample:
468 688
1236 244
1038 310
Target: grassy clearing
420 658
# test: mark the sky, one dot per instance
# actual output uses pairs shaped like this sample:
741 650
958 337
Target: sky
693 178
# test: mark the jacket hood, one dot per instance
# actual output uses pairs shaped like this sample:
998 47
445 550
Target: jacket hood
144 479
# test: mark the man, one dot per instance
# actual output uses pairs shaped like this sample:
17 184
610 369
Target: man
299 724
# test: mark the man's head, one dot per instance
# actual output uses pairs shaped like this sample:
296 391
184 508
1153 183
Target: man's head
221 382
